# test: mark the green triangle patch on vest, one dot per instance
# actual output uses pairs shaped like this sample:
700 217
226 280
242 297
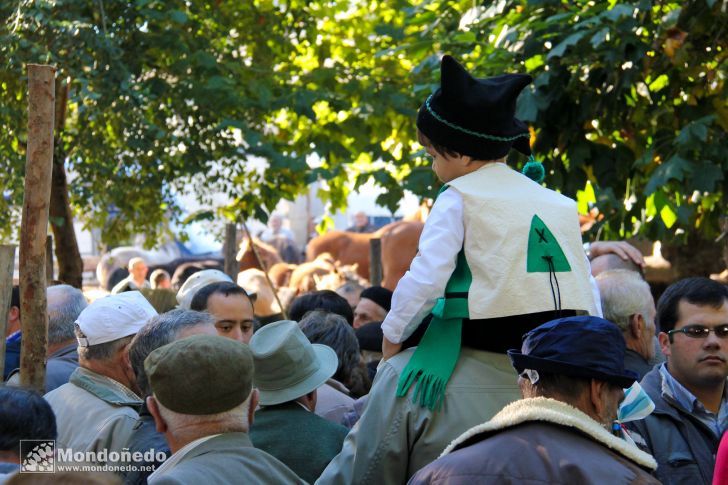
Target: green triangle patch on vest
544 253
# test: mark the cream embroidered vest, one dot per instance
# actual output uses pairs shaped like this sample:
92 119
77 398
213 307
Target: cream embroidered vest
522 244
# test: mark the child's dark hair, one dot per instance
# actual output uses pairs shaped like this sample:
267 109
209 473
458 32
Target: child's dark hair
442 150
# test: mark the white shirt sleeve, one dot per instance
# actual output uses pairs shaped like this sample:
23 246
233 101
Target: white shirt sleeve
418 290
595 291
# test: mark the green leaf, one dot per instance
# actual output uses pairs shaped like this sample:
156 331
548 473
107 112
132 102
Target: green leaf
618 12
674 168
599 38
659 83
706 175
693 133
585 198
650 209
526 108
204 59
178 16
560 49
668 216
200 215
534 63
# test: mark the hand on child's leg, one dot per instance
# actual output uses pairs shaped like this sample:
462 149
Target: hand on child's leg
389 349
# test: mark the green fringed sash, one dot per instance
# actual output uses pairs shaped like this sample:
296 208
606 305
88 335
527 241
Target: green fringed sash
437 354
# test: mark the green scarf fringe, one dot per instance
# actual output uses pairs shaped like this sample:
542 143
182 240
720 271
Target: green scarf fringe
432 363
435 358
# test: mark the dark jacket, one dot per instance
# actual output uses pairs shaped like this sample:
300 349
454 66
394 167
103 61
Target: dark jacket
60 366
636 363
303 441
536 442
12 354
683 446
144 437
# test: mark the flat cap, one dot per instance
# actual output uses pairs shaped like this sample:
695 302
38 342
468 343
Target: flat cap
201 374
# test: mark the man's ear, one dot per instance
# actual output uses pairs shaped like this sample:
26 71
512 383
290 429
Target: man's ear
595 392
124 357
636 325
154 411
664 343
253 406
597 396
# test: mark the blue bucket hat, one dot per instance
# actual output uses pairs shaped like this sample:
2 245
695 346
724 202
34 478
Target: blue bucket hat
583 346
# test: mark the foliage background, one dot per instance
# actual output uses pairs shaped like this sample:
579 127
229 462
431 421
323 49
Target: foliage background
629 104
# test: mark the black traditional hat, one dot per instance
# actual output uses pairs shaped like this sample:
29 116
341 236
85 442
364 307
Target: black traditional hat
475 117
379 295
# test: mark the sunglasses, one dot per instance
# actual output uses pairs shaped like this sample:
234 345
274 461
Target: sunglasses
700 331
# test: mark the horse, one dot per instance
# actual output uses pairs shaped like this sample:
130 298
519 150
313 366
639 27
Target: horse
304 276
280 274
253 280
399 247
246 256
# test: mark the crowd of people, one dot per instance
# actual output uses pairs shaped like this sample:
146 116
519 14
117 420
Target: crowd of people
218 398
505 354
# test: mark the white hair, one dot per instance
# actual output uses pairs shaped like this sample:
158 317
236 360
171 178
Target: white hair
624 293
189 427
133 262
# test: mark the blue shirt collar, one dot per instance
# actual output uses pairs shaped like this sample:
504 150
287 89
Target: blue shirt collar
690 404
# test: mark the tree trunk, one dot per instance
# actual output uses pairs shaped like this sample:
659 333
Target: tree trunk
34 226
70 264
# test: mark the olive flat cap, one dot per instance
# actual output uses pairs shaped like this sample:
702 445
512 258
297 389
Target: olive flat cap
201 374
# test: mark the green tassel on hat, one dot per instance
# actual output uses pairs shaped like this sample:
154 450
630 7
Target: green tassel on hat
534 170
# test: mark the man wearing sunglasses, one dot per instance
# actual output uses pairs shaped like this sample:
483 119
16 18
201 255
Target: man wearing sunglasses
689 391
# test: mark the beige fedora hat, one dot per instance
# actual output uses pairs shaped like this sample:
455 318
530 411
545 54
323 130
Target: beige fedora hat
287 365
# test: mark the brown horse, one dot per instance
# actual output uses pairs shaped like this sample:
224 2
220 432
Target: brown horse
246 256
399 247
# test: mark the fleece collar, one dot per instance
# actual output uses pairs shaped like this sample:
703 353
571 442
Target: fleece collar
556 412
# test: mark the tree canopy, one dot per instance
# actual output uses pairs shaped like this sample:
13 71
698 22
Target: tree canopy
628 106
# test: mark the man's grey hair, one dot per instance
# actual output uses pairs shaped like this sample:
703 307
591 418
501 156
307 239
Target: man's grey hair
160 331
624 293
188 427
104 351
65 304
321 327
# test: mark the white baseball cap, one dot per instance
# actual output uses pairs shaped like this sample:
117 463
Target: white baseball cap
195 282
114 317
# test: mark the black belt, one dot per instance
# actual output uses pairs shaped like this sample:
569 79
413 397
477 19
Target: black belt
495 334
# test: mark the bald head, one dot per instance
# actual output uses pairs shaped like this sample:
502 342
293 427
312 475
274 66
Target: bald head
611 261
138 269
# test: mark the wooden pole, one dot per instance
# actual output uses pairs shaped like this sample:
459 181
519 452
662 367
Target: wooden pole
375 261
231 264
7 265
49 259
265 270
34 225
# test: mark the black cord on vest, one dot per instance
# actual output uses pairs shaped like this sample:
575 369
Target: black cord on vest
552 279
